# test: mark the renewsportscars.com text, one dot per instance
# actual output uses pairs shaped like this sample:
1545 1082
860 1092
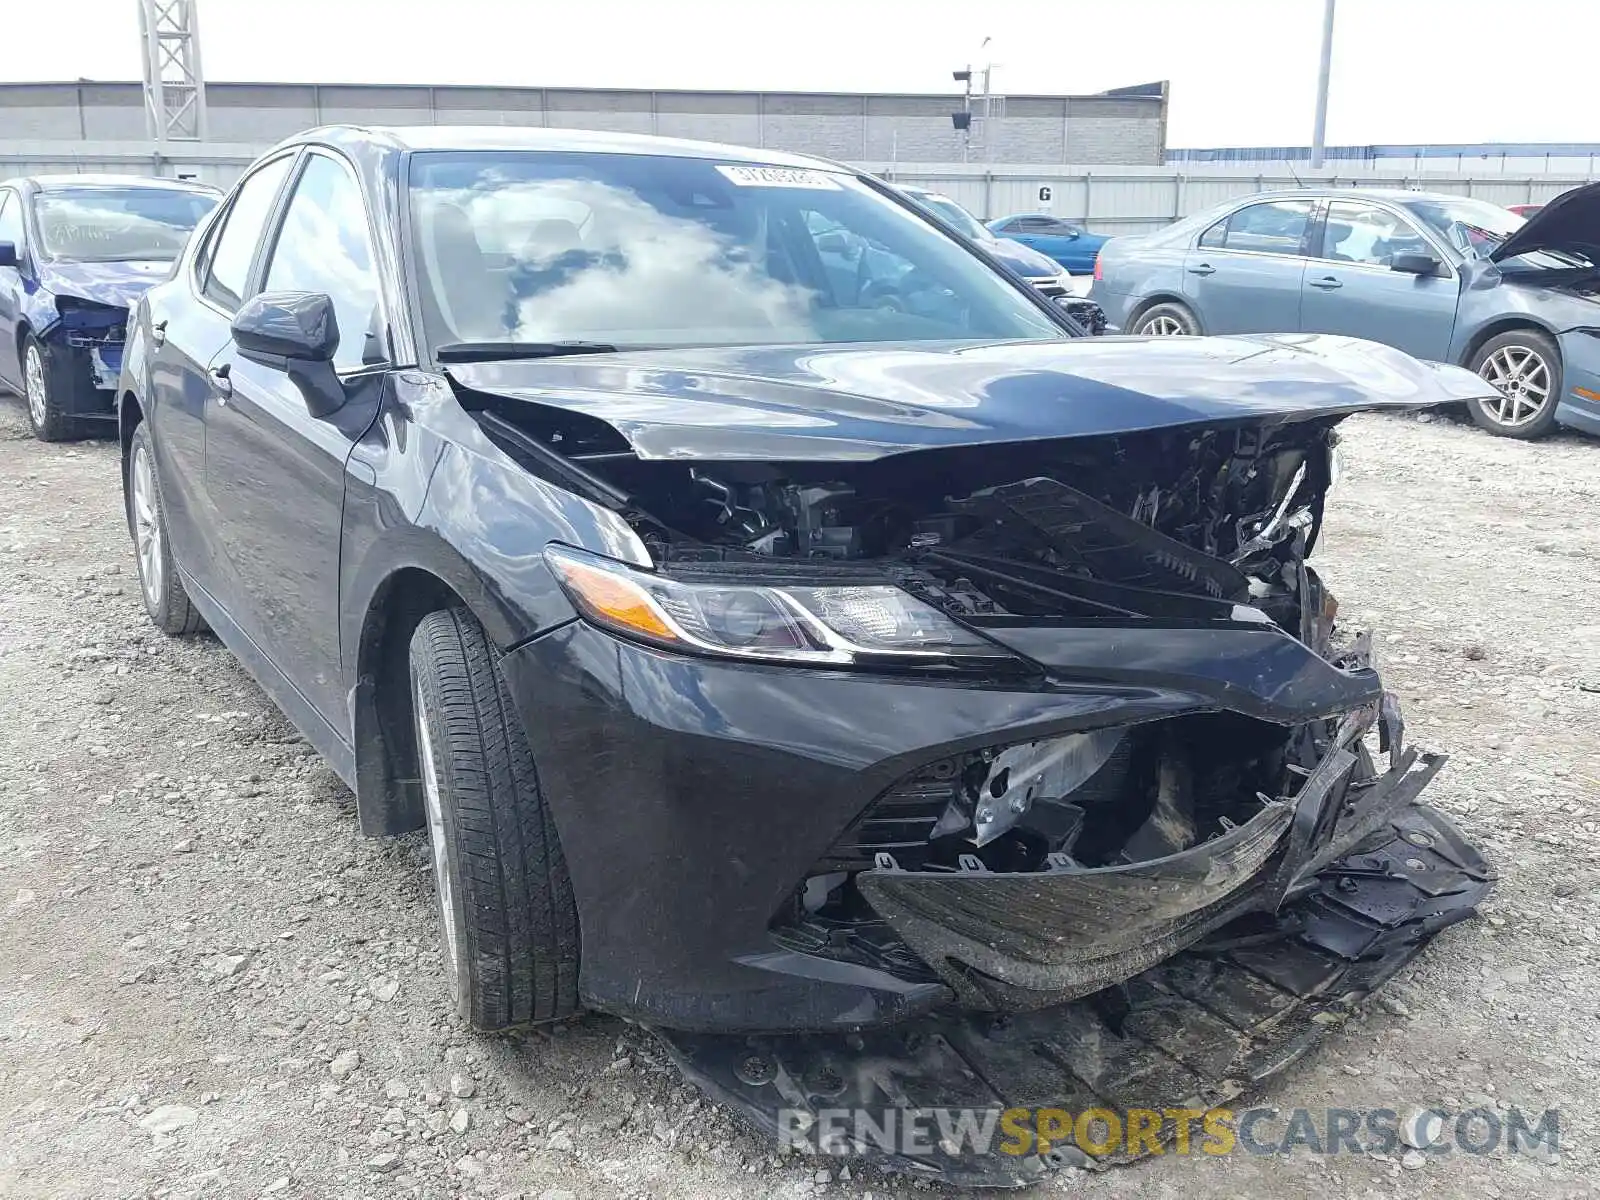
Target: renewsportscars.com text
1100 1132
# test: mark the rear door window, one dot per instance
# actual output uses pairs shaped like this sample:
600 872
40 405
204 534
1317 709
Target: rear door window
1271 227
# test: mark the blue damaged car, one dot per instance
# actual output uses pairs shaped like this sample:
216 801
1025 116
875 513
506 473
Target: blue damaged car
76 251
1446 278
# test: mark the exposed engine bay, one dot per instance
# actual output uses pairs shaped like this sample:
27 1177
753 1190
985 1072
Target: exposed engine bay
1161 524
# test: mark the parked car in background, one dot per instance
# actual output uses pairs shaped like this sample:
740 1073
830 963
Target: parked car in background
75 252
1073 246
1447 278
1040 270
699 606
1524 210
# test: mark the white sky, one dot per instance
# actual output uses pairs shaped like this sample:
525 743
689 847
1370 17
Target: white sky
1243 72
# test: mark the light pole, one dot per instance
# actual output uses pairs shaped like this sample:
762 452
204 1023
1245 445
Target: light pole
963 119
1319 131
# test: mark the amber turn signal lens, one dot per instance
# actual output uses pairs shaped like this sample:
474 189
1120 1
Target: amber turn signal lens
613 600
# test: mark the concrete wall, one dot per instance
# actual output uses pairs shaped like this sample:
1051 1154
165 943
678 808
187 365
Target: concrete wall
1110 200
1086 149
905 129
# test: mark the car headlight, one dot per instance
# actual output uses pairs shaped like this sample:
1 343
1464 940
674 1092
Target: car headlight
822 626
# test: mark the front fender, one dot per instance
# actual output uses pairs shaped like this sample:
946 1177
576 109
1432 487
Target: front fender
436 514
429 491
1491 299
39 310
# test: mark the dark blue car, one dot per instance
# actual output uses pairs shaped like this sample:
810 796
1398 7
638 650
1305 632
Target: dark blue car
76 251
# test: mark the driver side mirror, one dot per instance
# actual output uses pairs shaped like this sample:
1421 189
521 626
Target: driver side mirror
297 333
833 242
8 255
1414 263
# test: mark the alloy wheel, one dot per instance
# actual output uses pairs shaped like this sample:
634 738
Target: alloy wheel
147 528
1522 376
443 871
1163 325
33 383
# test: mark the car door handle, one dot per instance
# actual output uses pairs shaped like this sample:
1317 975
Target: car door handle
158 333
1327 283
1202 269
222 382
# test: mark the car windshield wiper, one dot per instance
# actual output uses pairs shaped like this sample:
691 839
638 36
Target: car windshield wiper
489 351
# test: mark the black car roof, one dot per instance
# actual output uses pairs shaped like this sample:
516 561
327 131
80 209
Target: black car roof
538 138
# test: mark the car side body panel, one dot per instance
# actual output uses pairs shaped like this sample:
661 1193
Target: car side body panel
1414 313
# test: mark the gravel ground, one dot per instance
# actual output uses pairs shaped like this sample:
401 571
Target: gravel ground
210 985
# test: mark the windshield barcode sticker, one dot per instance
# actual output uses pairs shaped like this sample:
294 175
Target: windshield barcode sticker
785 177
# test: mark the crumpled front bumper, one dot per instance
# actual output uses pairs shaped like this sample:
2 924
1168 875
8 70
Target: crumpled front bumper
1195 1031
1022 940
83 368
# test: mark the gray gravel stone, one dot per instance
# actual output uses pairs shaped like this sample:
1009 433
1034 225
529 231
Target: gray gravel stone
344 1064
168 1118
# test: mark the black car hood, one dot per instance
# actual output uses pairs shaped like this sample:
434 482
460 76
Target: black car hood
1570 222
1024 260
866 401
118 284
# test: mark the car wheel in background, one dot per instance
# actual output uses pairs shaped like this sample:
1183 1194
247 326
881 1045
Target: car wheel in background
164 598
1165 320
1526 366
505 899
49 423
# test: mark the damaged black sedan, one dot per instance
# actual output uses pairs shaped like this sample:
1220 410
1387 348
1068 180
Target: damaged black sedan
75 252
766 647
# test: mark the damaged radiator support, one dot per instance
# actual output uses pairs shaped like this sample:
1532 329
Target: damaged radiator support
1196 1030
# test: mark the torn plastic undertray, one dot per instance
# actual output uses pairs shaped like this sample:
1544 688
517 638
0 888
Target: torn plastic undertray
1019 940
1197 1030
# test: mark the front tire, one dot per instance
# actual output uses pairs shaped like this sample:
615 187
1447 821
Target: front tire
50 423
1166 320
164 597
1525 365
510 922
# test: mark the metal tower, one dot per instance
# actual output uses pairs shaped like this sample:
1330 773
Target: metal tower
174 85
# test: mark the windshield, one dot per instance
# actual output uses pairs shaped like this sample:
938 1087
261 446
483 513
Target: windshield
1474 227
95 224
965 222
643 250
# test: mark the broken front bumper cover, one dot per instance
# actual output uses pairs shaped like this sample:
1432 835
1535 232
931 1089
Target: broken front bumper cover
1195 1031
1021 940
